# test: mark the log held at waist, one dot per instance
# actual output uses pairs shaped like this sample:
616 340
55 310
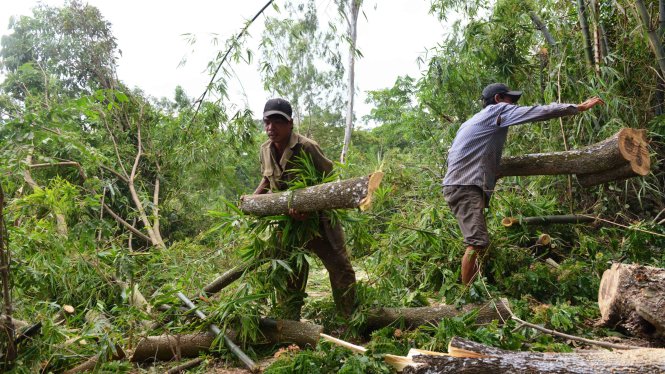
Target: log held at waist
349 193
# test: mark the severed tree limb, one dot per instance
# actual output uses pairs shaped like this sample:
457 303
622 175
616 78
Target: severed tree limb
349 193
132 190
91 362
546 220
187 365
465 356
626 147
413 317
169 347
228 277
126 224
540 25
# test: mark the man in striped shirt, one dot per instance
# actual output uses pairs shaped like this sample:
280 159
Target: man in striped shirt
474 157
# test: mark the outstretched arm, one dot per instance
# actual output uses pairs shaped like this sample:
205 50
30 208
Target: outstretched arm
263 187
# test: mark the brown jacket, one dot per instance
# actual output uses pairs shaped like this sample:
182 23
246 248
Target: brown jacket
277 172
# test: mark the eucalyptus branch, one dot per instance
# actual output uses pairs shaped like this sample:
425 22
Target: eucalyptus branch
199 101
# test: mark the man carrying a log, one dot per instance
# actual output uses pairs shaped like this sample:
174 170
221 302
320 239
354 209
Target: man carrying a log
278 159
474 157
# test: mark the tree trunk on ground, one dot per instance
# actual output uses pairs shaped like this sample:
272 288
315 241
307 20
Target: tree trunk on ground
414 317
227 278
466 356
349 193
546 220
633 298
626 150
168 347
91 363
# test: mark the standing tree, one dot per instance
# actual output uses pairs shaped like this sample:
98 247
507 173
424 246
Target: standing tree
349 10
301 62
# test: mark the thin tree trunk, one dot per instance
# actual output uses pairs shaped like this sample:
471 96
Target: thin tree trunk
586 35
352 19
654 35
540 25
6 323
546 220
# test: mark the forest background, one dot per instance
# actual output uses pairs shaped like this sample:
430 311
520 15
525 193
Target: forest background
106 190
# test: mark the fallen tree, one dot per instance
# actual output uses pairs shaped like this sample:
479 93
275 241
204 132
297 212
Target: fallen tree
632 297
413 317
465 356
349 193
169 347
546 220
623 155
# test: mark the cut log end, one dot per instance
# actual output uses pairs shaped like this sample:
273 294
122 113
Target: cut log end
635 149
374 182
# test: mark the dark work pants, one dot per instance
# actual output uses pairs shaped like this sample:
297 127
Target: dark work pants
330 248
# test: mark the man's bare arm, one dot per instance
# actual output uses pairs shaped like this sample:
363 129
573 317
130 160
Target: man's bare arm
263 187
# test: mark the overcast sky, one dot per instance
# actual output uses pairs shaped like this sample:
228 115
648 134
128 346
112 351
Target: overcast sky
150 35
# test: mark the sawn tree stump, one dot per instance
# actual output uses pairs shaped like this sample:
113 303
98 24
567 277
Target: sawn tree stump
632 297
623 155
349 193
465 356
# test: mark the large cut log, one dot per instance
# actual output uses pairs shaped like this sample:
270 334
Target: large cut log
349 193
414 317
465 356
632 297
623 155
169 347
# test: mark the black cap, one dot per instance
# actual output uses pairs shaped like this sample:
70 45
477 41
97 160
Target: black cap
500 88
278 106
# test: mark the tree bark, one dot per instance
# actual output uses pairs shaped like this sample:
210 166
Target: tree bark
586 35
352 23
633 298
349 193
465 356
626 150
169 347
227 278
540 25
653 35
546 220
6 323
414 317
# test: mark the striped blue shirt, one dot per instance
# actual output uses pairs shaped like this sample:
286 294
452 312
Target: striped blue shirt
474 157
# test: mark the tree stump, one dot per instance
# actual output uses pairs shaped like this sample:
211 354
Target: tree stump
623 155
349 193
632 297
465 356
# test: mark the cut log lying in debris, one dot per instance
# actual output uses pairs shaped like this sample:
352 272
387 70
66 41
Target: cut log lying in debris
465 356
169 347
413 317
16 323
546 220
633 297
228 277
349 193
90 363
627 151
